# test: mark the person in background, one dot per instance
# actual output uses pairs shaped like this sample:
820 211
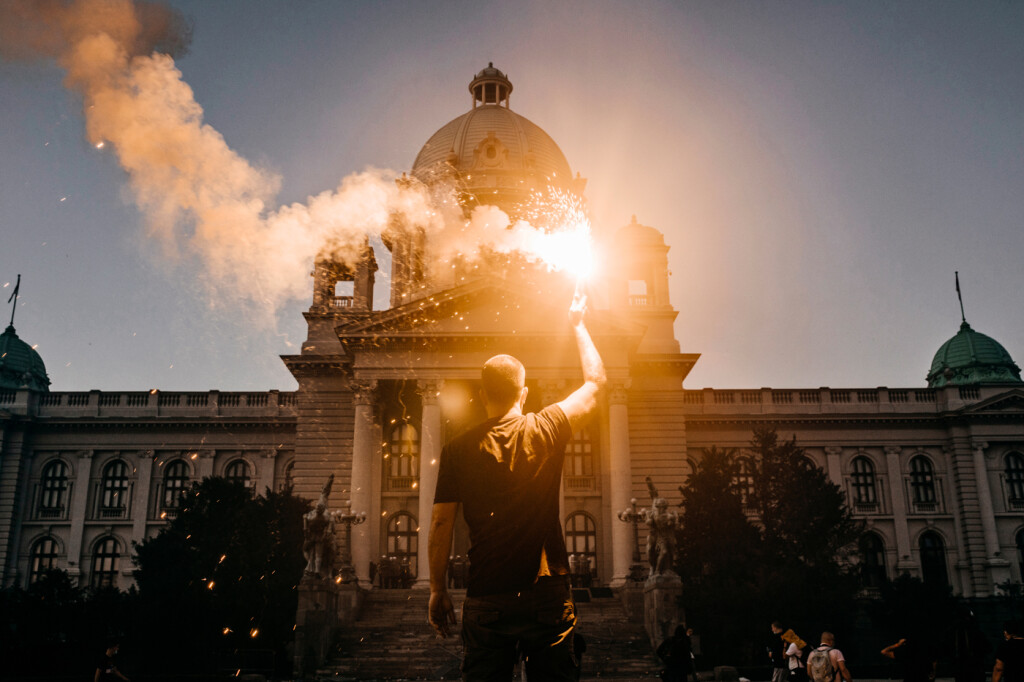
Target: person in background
1010 654
106 671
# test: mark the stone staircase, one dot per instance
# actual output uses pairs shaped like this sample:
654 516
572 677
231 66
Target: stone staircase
392 641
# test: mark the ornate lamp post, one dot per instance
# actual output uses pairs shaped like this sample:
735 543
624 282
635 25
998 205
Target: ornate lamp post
349 518
631 516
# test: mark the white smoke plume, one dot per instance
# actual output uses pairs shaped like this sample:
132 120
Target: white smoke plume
200 197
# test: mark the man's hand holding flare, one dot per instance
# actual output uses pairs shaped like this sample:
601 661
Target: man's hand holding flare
578 308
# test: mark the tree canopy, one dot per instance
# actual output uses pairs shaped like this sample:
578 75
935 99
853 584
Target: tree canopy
761 537
223 573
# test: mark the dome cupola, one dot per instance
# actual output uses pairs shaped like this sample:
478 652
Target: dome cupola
21 367
493 155
971 358
490 86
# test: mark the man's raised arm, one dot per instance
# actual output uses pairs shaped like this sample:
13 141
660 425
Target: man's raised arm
583 400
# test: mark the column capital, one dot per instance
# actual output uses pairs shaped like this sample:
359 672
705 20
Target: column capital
833 450
206 454
979 445
268 453
429 390
363 391
551 389
893 450
618 392
145 454
84 454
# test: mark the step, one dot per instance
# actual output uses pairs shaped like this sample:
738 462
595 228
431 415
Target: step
391 640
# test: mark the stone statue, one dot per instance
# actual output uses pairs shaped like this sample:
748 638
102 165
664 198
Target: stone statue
661 533
318 536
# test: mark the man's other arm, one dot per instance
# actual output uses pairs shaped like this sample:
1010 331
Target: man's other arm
581 402
441 612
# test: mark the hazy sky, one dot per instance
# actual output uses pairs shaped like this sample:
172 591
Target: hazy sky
818 169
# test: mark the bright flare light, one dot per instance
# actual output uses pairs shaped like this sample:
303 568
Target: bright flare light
563 241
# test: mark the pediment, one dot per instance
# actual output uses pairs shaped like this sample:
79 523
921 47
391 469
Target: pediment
1011 401
486 308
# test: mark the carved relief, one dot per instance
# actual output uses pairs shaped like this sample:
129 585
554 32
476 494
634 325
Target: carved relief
490 153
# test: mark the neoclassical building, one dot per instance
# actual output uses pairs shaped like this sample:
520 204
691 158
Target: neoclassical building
936 470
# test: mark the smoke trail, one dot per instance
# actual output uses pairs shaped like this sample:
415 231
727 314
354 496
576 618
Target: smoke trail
199 196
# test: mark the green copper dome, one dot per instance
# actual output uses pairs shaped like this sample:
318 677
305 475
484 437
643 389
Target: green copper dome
20 365
972 358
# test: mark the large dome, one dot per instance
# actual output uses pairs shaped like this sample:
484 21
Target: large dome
972 358
20 365
496 155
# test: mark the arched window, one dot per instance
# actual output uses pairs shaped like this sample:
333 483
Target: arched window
863 480
922 483
104 563
175 480
581 544
1015 480
933 559
238 472
743 481
53 489
578 470
114 490
402 458
289 476
43 558
872 560
403 541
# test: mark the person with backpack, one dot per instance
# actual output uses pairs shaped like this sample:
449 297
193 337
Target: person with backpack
827 663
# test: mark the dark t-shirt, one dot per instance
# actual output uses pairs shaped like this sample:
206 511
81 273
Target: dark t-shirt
1011 653
506 473
106 668
916 661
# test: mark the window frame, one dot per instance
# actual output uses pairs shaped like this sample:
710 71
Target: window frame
106 556
38 557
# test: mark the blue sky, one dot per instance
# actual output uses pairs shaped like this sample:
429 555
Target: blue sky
820 170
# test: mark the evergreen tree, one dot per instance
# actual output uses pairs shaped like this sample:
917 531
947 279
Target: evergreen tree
765 549
223 573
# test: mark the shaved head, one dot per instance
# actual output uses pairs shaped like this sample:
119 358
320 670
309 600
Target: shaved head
503 378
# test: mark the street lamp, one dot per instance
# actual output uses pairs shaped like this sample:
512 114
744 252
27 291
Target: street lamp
349 518
631 516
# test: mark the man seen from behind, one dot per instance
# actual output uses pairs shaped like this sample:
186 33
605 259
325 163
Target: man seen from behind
506 473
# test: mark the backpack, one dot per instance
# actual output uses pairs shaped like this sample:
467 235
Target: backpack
819 665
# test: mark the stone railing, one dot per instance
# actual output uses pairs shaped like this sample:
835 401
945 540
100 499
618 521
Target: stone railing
827 400
152 404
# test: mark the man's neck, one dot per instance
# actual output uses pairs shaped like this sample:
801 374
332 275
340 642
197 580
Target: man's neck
514 411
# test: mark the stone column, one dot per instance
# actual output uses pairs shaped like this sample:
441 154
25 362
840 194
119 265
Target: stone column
265 477
998 567
833 465
361 483
79 509
204 464
904 561
140 501
951 497
430 456
620 476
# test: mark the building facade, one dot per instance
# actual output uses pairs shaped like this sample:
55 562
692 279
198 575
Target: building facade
936 471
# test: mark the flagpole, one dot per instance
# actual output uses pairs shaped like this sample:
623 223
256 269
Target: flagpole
963 318
14 297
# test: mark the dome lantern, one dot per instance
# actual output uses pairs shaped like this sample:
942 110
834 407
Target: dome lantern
490 86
